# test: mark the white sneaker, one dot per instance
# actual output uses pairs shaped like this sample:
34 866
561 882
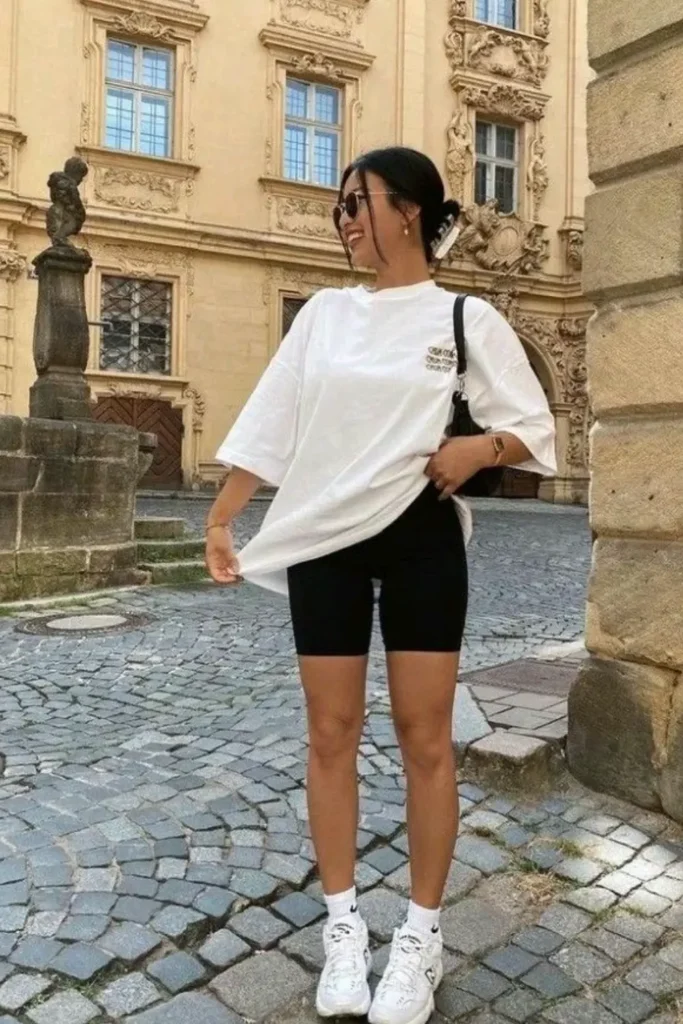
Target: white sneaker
405 995
343 990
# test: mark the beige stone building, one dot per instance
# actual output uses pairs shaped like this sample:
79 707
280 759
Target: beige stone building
215 133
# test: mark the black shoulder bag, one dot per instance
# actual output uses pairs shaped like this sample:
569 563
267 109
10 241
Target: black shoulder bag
487 481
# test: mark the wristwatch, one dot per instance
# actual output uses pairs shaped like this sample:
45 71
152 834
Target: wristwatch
498 447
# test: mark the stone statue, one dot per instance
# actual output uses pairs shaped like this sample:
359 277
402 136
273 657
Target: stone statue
66 216
460 153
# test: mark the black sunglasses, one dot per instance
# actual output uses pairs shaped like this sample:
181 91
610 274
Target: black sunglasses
350 205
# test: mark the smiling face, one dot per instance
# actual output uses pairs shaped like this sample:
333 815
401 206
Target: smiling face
368 248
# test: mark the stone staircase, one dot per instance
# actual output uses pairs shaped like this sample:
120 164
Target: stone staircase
167 554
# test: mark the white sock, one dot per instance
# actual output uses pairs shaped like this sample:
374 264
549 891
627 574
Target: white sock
341 903
420 919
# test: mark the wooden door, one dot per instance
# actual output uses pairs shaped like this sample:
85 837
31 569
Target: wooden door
151 416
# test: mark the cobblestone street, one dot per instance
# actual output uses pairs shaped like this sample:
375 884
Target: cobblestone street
155 864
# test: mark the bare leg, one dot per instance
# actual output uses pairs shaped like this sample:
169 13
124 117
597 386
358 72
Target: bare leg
422 687
335 699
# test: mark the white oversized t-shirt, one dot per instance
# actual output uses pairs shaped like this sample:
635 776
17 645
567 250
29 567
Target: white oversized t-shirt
352 406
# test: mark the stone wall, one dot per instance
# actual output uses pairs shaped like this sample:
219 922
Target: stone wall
67 494
626 710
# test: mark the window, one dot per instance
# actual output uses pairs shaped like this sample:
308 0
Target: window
497 12
139 100
312 133
496 169
136 337
290 308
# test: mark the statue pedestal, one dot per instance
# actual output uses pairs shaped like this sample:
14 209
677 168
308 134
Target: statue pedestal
61 336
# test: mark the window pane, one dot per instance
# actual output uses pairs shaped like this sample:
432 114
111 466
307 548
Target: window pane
296 152
116 346
120 61
297 98
154 126
325 169
480 176
484 138
153 348
120 121
156 69
505 189
481 10
327 105
505 143
507 13
290 308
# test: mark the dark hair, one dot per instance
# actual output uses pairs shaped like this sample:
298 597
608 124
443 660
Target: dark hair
412 178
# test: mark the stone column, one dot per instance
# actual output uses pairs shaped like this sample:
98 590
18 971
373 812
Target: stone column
60 339
626 709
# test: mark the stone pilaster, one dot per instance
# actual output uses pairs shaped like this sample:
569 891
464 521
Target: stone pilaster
626 709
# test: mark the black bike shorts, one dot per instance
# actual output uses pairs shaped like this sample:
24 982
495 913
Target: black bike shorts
421 565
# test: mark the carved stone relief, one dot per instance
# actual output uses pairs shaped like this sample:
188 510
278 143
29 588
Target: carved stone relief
5 162
137 190
523 60
139 23
505 100
12 264
333 18
500 242
317 64
300 216
541 18
575 249
537 174
460 154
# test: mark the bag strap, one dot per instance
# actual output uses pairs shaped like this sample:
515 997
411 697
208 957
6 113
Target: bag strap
459 332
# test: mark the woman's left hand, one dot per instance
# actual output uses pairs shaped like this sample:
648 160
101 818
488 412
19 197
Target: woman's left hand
458 459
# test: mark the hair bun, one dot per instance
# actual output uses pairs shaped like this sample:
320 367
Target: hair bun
448 231
451 208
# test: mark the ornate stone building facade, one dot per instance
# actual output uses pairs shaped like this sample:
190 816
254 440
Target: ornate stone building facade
215 140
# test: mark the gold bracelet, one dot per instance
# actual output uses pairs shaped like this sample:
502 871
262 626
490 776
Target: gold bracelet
217 526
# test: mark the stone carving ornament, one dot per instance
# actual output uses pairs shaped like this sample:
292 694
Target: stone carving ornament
4 162
500 242
575 249
12 264
509 56
460 153
537 174
505 100
156 192
541 18
138 23
343 16
317 64
66 216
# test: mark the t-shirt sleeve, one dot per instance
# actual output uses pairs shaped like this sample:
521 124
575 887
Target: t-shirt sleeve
504 393
263 438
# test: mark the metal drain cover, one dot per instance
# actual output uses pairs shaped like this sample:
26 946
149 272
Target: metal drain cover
83 624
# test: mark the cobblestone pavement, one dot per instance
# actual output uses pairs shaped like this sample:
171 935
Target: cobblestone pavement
155 860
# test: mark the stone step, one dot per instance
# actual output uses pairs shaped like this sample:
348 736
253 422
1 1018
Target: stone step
186 571
170 550
158 528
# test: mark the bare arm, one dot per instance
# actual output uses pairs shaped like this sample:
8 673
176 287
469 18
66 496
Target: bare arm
235 495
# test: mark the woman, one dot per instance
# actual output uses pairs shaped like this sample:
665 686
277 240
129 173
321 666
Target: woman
348 422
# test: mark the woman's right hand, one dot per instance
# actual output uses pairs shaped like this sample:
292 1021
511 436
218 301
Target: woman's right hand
221 560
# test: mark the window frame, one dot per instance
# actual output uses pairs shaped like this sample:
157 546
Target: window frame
491 161
312 127
138 91
137 283
494 15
